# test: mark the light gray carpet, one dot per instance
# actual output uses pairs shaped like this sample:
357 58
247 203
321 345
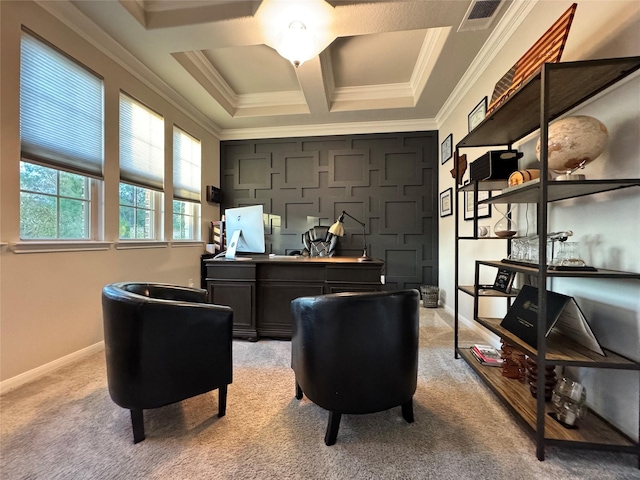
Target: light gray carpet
65 426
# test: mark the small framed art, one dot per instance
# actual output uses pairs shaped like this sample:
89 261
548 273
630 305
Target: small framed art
446 206
504 280
484 210
446 149
477 114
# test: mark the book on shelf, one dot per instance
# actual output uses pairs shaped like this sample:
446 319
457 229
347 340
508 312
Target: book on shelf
563 316
486 355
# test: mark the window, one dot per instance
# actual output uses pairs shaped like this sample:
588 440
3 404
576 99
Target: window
61 137
141 171
54 204
186 220
186 186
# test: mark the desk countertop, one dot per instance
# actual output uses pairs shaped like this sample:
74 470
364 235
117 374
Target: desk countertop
295 259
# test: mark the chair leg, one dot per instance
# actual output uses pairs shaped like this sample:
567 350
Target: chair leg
222 401
407 411
137 421
298 391
332 428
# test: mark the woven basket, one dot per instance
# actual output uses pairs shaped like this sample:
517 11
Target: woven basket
430 296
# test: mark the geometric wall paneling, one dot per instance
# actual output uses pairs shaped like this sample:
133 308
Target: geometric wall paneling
299 169
402 262
253 171
377 144
388 181
325 145
349 168
297 215
401 216
401 168
281 147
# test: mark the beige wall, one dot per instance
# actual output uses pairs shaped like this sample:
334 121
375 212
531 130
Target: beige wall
50 302
607 225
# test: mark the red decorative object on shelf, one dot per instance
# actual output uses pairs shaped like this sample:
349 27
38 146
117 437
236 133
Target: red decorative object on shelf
513 362
532 377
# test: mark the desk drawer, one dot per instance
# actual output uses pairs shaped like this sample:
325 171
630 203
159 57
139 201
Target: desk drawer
305 272
231 271
357 273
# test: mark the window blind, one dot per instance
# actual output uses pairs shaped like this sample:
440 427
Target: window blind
186 166
61 110
141 145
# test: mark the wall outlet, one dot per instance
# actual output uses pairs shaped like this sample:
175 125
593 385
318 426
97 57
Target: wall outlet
191 282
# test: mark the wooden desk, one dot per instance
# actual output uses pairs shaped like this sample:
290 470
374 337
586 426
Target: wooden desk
260 289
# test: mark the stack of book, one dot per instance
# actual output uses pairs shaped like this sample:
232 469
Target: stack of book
487 355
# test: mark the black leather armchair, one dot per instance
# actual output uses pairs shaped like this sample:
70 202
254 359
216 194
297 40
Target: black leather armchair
356 353
318 242
163 344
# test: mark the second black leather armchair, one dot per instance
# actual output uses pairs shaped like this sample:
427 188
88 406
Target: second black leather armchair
164 344
355 353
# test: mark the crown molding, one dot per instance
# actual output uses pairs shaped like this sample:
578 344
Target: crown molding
432 45
372 92
416 125
504 31
68 14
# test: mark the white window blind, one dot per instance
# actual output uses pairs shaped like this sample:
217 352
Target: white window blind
141 145
61 110
186 166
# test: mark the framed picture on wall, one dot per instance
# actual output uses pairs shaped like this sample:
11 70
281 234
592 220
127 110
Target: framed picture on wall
446 149
484 210
446 205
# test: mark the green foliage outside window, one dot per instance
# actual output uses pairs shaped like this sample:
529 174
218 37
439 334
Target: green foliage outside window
54 204
185 216
136 212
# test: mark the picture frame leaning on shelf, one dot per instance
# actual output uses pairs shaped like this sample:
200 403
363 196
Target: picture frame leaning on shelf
484 210
504 280
477 115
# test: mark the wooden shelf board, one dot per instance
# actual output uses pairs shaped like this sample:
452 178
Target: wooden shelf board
561 350
591 429
533 270
488 292
485 185
482 238
570 83
560 190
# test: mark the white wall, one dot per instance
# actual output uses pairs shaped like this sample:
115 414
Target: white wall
50 302
607 225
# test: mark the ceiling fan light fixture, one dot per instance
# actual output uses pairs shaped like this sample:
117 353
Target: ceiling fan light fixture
297 44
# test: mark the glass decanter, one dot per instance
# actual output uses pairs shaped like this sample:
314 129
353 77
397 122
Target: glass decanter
568 255
506 227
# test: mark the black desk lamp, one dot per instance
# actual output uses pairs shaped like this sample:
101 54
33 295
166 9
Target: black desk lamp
338 230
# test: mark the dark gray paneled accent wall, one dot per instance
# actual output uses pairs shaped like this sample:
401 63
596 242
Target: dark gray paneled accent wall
388 181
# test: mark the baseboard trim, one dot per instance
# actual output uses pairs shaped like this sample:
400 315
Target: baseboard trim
488 337
23 378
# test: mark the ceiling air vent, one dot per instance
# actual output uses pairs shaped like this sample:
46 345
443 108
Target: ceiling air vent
479 15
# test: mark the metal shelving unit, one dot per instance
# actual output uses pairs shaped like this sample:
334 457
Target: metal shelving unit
553 91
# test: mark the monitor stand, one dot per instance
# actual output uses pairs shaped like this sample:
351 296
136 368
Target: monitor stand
233 245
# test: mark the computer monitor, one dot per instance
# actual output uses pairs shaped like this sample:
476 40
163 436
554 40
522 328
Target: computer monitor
244 230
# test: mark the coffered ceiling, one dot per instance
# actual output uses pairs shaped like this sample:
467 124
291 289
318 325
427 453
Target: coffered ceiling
382 62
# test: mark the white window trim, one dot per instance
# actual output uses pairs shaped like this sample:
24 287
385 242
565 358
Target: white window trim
134 244
58 246
187 243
